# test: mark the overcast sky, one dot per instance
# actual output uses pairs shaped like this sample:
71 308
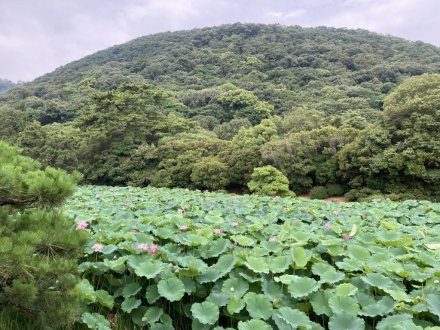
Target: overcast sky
37 36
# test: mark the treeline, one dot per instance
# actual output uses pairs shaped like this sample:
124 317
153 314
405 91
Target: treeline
205 108
6 84
142 136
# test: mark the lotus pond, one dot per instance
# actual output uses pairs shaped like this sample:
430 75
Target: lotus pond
179 259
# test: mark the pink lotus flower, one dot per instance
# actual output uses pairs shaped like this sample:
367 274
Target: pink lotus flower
346 237
218 231
153 249
327 225
134 230
82 225
183 228
185 206
273 239
97 247
142 246
234 224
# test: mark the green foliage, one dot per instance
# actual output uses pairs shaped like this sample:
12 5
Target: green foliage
257 262
267 180
308 158
319 192
210 173
334 189
6 84
39 250
307 101
400 154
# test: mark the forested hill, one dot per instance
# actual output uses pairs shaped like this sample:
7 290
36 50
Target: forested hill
332 70
263 108
5 85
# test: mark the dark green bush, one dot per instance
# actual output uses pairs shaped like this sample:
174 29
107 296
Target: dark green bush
267 180
39 246
335 189
318 192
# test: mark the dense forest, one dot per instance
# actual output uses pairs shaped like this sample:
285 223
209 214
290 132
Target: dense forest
263 108
5 85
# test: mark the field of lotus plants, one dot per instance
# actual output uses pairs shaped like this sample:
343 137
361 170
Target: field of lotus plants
165 259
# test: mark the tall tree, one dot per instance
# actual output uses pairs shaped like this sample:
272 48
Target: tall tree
39 246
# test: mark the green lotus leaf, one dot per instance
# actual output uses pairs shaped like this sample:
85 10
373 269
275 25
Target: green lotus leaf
272 290
129 304
117 265
346 322
161 326
321 268
95 321
152 315
217 247
235 287
190 284
130 289
299 256
302 287
343 305
254 325
258 305
278 264
397 294
218 298
152 294
205 312
147 268
401 321
243 240
378 308
257 264
293 317
85 291
108 249
433 301
235 305
377 280
172 288
346 289
319 301
358 253
105 299
138 314
223 266
433 246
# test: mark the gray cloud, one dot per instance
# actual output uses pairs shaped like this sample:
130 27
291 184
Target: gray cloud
38 36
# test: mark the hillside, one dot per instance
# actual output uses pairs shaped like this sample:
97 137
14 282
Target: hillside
5 85
215 108
328 69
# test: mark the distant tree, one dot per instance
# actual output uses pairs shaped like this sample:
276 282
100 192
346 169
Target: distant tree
210 173
228 130
308 158
402 152
39 247
240 103
243 154
118 122
267 180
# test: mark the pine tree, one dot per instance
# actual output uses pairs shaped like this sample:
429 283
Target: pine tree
39 245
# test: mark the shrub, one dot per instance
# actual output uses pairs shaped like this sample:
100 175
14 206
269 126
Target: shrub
210 173
359 194
39 248
318 192
267 180
334 189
